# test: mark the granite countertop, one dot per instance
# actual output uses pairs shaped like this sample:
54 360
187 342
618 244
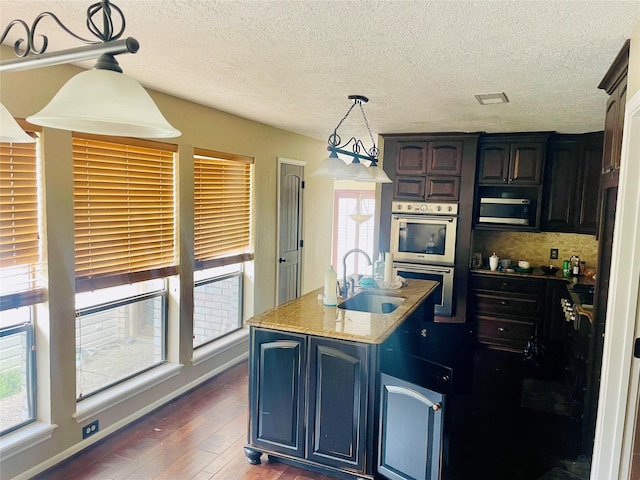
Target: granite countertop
308 315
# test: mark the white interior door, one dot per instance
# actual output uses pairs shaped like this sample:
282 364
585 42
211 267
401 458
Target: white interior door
290 188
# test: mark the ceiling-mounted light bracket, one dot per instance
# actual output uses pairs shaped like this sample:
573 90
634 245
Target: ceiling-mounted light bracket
358 150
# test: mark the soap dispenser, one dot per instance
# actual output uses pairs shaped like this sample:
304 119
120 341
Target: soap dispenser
330 298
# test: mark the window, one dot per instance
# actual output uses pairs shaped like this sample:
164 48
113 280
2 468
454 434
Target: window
352 229
20 281
222 241
124 220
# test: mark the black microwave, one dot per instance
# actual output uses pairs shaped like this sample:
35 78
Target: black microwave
509 211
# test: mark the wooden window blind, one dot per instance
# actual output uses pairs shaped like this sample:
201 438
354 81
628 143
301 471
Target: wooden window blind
222 208
20 260
124 211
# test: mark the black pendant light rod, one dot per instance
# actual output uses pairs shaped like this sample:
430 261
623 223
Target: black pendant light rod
108 40
359 151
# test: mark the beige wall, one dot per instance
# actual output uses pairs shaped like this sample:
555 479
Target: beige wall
24 93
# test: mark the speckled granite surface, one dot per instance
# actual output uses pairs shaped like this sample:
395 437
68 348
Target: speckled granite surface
308 315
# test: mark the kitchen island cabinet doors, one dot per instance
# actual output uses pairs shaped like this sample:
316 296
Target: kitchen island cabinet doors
277 391
411 430
308 399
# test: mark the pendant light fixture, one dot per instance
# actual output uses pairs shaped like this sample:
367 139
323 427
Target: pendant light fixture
355 169
10 131
101 101
360 213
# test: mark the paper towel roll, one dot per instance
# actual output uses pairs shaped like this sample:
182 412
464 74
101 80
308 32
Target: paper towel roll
388 267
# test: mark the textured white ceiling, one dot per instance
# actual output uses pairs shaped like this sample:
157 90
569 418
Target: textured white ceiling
292 64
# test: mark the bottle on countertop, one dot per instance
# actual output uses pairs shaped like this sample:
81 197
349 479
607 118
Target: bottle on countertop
493 262
575 265
378 267
330 297
566 268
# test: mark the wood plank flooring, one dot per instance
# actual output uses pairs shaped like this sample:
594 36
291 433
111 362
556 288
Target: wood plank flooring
198 436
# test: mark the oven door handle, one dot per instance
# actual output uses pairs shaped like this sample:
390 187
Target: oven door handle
420 269
424 217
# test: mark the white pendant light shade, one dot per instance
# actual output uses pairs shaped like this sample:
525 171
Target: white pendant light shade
105 102
332 166
379 175
10 131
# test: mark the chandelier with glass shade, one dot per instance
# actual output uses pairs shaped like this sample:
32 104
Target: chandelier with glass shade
102 100
361 164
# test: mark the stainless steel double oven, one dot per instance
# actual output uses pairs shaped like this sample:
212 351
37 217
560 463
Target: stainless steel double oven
423 243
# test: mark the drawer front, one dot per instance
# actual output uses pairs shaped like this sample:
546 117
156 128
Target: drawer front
505 333
504 283
497 304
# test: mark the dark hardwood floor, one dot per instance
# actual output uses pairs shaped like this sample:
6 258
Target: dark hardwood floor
201 435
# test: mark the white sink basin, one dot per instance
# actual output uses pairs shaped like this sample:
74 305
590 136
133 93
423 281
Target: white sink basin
372 303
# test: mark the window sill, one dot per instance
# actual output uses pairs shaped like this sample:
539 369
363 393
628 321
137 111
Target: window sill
25 438
100 402
208 351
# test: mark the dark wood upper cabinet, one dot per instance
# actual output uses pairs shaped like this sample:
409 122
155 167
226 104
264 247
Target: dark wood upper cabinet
511 160
572 177
615 84
411 158
445 158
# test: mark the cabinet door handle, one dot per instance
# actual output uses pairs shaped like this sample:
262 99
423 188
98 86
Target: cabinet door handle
436 407
503 329
423 333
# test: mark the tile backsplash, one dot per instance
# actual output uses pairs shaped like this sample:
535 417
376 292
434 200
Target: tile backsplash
535 247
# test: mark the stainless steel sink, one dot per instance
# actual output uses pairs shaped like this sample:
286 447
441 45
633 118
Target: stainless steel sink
372 303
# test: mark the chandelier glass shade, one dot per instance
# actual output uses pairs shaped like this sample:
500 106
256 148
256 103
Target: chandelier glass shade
10 131
354 168
101 101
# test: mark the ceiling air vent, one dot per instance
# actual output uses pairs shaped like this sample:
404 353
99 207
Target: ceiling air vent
491 98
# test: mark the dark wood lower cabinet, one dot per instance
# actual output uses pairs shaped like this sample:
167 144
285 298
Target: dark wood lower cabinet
337 403
355 410
411 431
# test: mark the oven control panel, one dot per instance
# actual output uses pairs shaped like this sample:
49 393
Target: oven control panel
424 208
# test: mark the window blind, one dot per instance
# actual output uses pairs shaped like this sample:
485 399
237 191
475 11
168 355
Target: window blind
222 208
20 263
124 211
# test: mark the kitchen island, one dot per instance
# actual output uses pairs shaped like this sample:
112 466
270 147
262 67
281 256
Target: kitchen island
345 392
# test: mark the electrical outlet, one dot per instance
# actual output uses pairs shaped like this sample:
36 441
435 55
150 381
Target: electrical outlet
554 254
90 429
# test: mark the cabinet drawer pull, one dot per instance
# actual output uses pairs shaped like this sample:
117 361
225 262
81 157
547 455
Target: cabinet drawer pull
503 329
505 284
504 302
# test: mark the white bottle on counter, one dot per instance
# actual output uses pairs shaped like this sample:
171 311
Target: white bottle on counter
493 262
388 268
330 298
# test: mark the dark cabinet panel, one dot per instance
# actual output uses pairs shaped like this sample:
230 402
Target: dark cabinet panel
443 189
277 390
411 158
409 188
516 160
494 163
507 309
337 403
445 158
411 431
572 177
525 163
